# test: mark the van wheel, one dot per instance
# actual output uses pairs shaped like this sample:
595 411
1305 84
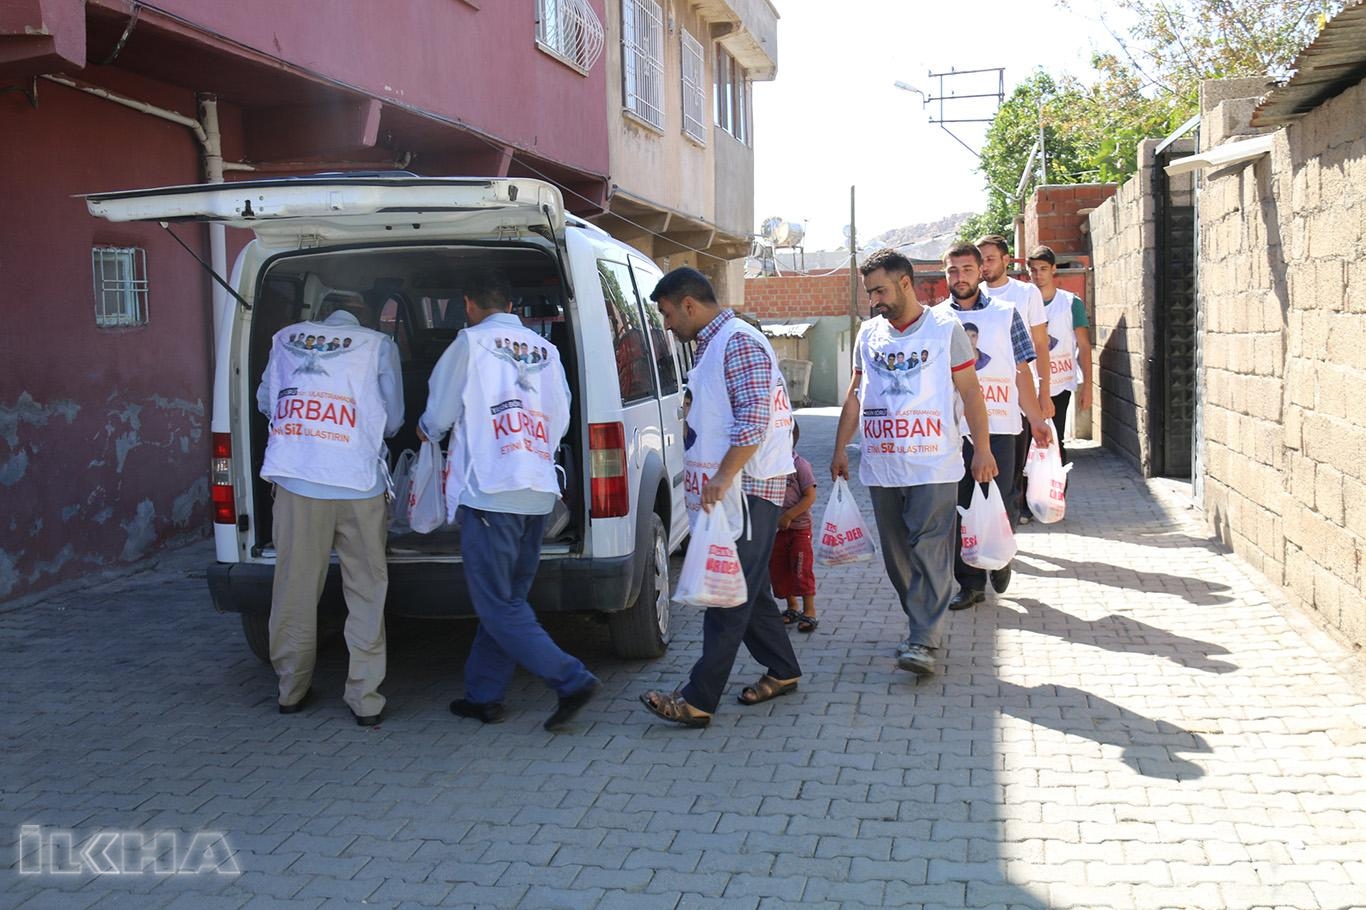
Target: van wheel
642 630
256 627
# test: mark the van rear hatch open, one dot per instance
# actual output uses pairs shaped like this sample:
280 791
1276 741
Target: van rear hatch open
340 208
403 243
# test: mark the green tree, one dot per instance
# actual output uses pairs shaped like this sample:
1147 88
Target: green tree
1144 90
1013 132
1176 44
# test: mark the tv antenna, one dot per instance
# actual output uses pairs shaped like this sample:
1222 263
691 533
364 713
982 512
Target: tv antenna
947 95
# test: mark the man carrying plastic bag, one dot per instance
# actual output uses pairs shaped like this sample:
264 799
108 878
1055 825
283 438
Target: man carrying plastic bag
911 458
738 465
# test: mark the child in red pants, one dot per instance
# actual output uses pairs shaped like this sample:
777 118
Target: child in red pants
790 566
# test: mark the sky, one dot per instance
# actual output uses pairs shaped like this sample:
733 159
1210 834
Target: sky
833 118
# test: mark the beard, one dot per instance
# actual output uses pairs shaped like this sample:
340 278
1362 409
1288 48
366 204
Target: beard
963 295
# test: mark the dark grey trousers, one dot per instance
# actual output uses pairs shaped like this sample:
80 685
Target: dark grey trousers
757 623
918 529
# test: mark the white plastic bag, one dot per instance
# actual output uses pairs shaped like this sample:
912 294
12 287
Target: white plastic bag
427 495
1046 492
712 575
988 539
401 480
844 537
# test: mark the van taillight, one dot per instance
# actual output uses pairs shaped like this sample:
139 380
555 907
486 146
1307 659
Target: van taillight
607 469
220 481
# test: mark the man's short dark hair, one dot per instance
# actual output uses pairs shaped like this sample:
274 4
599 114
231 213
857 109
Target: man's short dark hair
963 249
890 261
1043 254
684 282
489 289
995 240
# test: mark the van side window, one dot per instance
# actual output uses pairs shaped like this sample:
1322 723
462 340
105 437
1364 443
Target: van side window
394 323
661 342
628 335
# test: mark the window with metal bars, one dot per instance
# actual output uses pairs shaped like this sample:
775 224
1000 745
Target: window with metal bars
120 276
642 54
571 31
694 89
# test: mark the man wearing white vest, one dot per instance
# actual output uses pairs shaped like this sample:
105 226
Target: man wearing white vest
1007 388
738 464
1027 301
508 416
330 410
911 458
1069 340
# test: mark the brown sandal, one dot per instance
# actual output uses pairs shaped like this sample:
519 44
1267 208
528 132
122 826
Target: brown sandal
766 688
674 708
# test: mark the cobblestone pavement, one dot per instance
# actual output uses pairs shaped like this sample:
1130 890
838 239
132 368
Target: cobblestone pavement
1138 723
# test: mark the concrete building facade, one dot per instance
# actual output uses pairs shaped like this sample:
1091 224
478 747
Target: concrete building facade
104 443
681 129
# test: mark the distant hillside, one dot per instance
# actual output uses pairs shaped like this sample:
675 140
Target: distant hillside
916 241
922 241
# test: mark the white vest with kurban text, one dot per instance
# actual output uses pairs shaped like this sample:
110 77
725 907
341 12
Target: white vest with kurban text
326 415
1062 343
906 394
989 331
711 417
516 412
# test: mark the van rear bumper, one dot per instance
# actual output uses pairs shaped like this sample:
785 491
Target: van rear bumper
437 589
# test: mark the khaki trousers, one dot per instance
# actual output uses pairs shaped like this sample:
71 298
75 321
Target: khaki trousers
306 532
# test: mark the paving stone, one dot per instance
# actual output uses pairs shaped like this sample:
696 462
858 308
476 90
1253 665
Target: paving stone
1138 723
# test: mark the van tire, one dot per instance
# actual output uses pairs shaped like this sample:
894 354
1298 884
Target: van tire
256 627
642 630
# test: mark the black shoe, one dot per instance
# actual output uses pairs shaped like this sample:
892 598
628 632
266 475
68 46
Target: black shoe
572 704
298 705
967 598
367 720
1000 579
490 712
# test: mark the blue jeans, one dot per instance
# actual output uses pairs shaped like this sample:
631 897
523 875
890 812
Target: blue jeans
502 552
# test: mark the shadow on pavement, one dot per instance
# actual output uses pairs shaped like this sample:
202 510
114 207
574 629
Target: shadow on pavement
1115 632
1195 590
1150 747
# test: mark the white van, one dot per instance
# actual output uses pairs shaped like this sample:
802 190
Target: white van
405 244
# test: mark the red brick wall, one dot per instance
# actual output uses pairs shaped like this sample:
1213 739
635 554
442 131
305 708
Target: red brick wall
1052 216
800 296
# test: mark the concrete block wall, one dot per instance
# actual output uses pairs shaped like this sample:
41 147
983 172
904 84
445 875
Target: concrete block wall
1284 304
800 296
1123 232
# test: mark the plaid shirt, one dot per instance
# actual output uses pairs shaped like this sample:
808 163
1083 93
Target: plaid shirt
1019 335
749 382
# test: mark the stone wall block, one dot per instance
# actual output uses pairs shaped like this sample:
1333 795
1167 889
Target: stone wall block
1328 496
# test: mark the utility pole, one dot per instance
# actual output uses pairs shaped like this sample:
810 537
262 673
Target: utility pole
1043 152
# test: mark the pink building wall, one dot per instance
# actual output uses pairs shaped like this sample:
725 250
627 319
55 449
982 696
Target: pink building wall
475 62
104 442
